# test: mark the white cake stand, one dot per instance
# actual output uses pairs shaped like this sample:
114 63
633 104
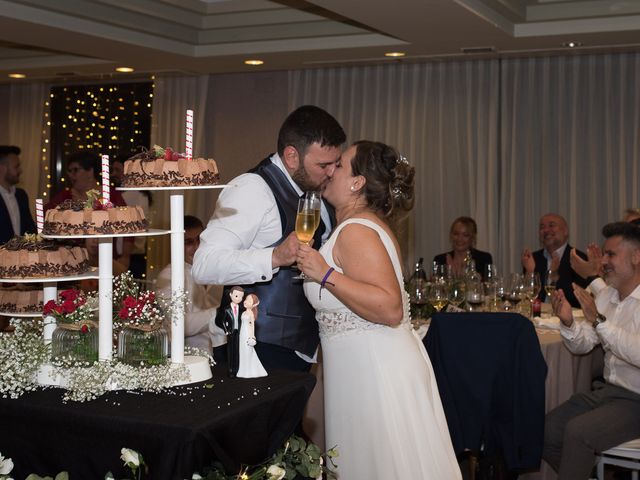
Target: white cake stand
197 366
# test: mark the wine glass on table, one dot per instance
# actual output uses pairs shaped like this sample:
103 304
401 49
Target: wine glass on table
514 291
307 220
531 287
457 292
550 279
438 295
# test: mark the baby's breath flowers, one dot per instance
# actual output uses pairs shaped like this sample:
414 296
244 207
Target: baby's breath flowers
21 354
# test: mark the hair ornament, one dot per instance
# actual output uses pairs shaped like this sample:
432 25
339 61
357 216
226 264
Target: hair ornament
402 159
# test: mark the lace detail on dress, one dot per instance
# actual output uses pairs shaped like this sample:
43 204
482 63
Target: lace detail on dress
333 324
341 322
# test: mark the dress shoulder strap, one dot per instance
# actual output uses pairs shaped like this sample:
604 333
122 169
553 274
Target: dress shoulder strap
386 241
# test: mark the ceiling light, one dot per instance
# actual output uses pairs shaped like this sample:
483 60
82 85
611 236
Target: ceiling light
17 75
124 69
394 54
253 62
572 44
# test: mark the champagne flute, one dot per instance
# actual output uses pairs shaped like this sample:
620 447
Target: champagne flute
307 220
550 280
531 287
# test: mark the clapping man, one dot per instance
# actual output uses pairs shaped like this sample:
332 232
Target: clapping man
592 422
554 258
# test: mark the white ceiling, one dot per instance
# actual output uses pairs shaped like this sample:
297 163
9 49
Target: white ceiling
65 39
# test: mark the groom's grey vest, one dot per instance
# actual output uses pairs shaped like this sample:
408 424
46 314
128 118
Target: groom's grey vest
285 317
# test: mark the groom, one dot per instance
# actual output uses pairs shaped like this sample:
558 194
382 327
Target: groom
251 240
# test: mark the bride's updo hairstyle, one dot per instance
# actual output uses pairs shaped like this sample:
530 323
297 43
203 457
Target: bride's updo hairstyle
389 177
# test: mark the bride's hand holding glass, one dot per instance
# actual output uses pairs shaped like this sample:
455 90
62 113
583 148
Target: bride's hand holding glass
307 219
311 263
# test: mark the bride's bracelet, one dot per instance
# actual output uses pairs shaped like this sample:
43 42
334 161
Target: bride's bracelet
325 281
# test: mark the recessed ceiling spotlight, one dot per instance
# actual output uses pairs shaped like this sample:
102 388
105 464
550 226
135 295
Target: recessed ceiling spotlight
253 62
124 69
17 75
394 54
572 44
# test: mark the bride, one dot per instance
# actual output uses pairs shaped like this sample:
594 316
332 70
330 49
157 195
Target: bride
382 406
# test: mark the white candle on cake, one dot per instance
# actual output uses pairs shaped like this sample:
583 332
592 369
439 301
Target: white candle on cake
106 188
39 214
189 135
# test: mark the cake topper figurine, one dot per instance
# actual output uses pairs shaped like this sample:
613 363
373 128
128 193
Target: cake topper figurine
231 325
250 365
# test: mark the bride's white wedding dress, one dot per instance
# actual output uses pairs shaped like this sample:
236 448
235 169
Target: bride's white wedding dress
382 406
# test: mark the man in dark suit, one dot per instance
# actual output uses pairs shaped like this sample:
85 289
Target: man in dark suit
15 216
554 258
230 322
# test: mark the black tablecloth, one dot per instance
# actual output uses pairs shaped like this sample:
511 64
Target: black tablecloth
178 432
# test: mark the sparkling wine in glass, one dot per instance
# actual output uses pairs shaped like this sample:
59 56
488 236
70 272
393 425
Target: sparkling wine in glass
307 220
438 295
550 282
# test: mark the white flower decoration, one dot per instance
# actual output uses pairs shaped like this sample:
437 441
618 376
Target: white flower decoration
196 476
130 457
275 472
6 465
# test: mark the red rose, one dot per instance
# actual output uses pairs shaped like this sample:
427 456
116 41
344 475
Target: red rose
49 307
84 328
70 294
123 313
151 297
68 306
58 309
130 302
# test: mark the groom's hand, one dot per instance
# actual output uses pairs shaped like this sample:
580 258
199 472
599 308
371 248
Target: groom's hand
285 253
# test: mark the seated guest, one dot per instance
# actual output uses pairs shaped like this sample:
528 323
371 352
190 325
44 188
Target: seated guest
610 414
15 215
554 258
462 236
200 329
83 173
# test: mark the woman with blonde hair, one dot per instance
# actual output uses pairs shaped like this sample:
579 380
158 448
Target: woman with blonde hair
462 235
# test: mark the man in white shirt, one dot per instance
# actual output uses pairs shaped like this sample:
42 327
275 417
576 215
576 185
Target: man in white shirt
554 258
15 214
610 414
200 330
250 239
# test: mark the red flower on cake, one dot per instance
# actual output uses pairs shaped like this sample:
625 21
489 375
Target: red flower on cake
84 328
123 313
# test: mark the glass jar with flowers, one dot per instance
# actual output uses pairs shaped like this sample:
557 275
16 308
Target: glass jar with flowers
142 339
76 333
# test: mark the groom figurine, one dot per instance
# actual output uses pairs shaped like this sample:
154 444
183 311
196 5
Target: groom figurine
231 327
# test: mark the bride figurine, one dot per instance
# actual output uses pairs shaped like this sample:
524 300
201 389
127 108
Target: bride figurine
250 365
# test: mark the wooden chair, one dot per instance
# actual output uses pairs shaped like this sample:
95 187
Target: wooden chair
625 455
